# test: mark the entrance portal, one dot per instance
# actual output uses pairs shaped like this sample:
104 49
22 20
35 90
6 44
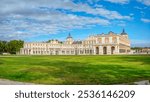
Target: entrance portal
104 50
112 50
97 50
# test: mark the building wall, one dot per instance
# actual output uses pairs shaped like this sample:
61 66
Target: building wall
93 45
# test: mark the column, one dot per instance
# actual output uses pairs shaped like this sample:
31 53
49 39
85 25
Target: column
100 50
60 52
79 51
27 51
74 51
126 51
71 50
83 51
110 39
31 52
103 40
24 51
116 50
54 51
96 40
65 52
21 51
94 50
117 40
88 51
109 50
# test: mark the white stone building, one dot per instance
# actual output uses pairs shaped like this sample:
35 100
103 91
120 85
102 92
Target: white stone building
99 44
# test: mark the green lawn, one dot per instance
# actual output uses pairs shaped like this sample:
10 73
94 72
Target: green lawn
118 69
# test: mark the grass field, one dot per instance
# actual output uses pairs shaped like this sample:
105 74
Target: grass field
119 69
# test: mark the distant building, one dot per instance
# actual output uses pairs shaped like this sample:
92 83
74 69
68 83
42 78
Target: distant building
140 50
99 44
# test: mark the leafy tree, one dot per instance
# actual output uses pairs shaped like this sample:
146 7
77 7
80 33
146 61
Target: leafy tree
12 46
3 46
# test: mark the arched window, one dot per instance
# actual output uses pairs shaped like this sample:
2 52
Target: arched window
106 40
114 40
100 40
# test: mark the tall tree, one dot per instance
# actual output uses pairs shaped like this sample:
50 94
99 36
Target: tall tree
12 46
3 46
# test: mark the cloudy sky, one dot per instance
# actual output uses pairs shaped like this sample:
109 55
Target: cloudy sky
41 20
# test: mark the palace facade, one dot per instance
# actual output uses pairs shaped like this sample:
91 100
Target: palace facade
99 44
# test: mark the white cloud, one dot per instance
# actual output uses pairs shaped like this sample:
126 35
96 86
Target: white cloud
145 2
93 1
17 26
122 24
16 6
118 1
19 19
145 20
140 43
139 8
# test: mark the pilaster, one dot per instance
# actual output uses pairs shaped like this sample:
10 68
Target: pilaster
109 50
100 50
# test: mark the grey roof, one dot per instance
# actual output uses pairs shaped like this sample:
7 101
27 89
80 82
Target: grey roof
123 32
77 42
69 36
110 32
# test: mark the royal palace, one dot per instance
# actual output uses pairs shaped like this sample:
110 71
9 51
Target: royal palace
99 44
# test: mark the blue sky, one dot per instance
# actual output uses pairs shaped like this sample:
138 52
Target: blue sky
41 20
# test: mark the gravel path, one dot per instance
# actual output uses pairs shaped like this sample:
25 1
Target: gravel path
9 82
